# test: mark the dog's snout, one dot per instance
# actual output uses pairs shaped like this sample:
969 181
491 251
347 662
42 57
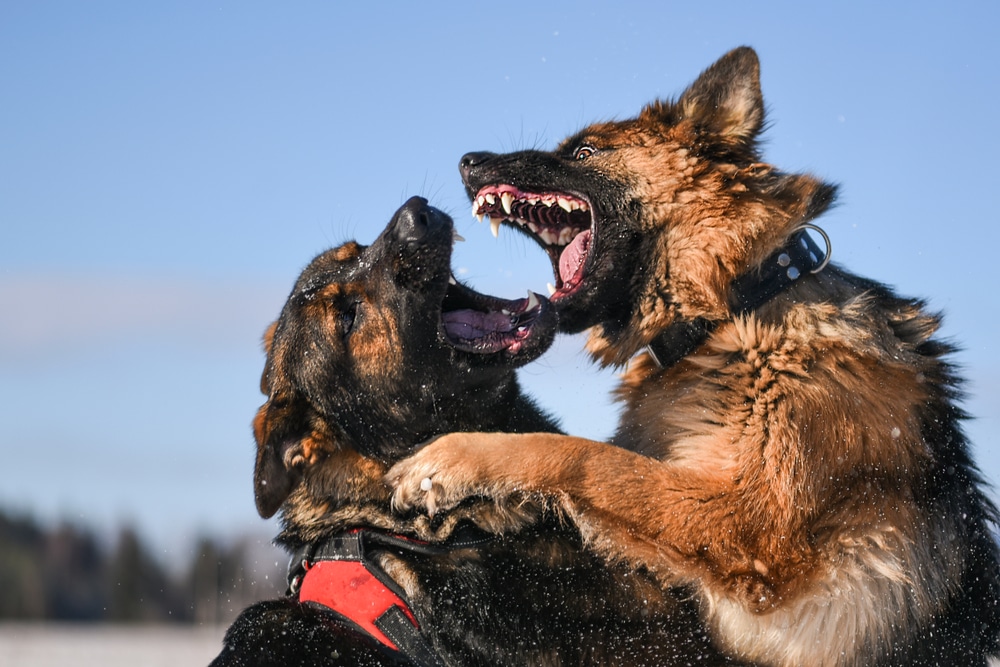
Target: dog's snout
416 218
470 161
413 219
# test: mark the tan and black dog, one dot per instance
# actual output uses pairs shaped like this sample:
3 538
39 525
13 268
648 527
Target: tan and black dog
378 349
790 444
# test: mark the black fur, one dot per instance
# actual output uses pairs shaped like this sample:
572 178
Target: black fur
532 596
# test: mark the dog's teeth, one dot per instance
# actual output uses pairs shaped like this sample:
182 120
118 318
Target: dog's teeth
532 301
451 280
455 236
495 227
565 204
506 199
475 211
491 199
551 288
548 237
533 201
565 236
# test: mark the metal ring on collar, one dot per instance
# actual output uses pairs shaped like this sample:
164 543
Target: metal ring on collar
826 240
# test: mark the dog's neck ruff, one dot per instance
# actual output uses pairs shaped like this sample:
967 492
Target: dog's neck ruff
340 576
798 257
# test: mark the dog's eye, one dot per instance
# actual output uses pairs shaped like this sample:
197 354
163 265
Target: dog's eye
347 318
583 152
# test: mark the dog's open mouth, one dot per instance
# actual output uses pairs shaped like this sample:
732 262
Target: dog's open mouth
561 223
482 324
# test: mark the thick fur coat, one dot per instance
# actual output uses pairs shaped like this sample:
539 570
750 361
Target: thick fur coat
803 468
378 349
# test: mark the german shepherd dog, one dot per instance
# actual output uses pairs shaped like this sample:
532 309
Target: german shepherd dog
377 349
790 444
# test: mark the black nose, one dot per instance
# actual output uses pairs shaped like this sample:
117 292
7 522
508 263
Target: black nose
416 218
412 219
470 161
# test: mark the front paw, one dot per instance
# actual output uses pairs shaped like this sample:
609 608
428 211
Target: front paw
437 478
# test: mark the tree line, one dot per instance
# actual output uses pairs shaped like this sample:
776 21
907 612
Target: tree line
65 573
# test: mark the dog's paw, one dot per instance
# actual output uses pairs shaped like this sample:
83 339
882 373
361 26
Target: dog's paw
439 476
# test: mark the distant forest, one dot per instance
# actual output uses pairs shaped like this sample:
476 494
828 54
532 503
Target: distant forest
66 574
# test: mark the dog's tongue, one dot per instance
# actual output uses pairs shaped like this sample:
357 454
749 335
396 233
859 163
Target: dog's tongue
573 255
472 324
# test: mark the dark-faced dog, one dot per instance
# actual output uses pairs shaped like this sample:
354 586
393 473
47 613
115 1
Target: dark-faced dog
790 445
378 349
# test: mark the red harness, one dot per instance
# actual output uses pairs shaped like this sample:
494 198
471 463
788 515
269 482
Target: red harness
339 575
350 589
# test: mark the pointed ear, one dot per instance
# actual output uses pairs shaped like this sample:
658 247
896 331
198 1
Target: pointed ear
726 99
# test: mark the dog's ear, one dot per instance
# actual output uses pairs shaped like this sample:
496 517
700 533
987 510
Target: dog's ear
272 481
287 441
726 99
267 344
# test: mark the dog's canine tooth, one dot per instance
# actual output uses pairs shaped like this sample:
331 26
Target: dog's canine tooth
495 227
551 288
506 199
532 301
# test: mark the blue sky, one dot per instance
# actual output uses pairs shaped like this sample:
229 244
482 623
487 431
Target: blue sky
166 169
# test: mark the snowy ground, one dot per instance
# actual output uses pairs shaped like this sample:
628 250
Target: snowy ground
43 645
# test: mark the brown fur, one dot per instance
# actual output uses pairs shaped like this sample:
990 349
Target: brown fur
367 360
804 468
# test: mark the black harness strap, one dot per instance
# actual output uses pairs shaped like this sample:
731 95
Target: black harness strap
799 256
340 576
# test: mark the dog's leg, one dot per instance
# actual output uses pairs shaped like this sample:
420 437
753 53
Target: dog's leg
627 506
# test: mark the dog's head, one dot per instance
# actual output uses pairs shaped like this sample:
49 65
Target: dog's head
651 219
379 348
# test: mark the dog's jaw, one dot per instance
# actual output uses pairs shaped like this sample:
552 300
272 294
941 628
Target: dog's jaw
562 223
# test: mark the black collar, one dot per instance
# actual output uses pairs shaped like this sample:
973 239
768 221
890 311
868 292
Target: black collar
799 256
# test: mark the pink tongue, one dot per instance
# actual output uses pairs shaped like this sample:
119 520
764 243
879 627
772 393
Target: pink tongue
574 254
471 324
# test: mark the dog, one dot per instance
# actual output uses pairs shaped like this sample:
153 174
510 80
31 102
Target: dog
378 349
790 443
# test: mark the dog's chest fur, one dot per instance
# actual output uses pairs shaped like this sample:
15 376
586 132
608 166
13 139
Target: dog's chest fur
793 407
